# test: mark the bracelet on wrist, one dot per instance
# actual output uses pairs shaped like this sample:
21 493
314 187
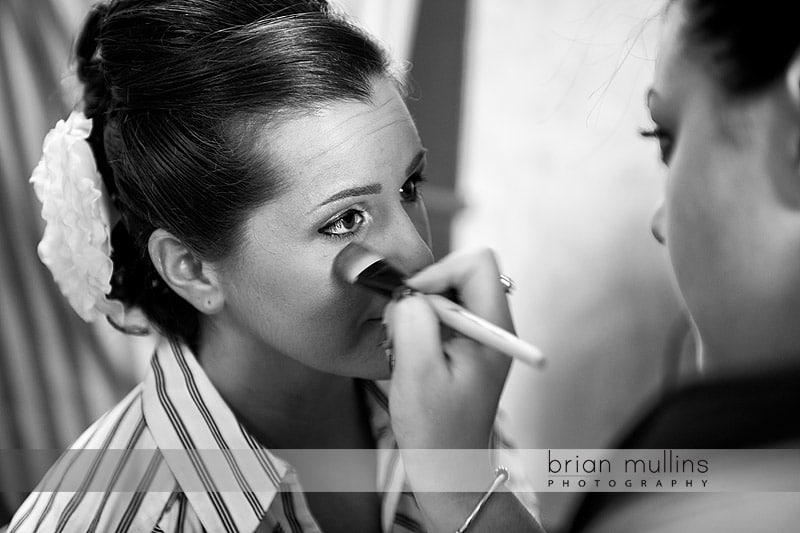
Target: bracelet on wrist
500 477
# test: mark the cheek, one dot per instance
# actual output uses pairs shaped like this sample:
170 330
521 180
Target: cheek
700 221
303 293
727 245
682 237
298 307
418 214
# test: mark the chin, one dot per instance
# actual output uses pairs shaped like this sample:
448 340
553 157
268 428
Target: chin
365 361
384 374
369 360
374 365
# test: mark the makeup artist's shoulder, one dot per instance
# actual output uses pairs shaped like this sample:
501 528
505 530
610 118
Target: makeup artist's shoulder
693 512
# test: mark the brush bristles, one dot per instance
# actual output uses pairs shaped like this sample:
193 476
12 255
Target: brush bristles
353 260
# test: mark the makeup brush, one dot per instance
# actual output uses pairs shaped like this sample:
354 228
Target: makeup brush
359 265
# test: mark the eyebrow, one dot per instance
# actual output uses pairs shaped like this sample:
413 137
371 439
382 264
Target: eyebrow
417 162
374 188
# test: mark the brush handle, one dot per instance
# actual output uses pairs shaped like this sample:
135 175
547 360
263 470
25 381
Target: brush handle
484 332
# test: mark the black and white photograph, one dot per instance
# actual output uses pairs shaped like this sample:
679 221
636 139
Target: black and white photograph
399 266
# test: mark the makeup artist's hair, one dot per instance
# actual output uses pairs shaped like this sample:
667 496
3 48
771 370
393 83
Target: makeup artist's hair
177 91
748 45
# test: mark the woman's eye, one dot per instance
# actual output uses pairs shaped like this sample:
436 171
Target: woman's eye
664 140
411 189
346 225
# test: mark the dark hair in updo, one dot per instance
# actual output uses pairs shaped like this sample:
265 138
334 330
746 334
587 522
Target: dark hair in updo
748 44
177 90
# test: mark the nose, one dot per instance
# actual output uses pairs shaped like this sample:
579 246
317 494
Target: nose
405 242
657 225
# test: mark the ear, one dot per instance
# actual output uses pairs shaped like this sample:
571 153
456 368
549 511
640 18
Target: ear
193 279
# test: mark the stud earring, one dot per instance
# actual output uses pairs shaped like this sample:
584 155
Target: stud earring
210 303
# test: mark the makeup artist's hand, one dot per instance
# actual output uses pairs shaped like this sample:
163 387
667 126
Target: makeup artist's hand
445 394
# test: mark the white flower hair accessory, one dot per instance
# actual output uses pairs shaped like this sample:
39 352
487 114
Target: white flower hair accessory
76 245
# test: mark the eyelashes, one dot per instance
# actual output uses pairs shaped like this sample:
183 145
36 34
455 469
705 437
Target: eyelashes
345 225
411 191
651 133
663 138
349 223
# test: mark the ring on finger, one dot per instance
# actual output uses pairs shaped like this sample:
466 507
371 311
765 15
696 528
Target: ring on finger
507 283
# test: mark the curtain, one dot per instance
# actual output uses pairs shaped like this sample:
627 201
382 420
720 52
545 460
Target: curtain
57 373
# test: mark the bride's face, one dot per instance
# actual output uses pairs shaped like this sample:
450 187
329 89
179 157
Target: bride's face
353 173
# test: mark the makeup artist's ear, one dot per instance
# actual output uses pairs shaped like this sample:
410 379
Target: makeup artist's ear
193 279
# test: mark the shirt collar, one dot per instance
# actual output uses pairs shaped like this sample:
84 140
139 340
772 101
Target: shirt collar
228 477
391 473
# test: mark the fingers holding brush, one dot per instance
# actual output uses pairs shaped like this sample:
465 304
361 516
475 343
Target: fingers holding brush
471 278
475 277
445 388
441 396
485 317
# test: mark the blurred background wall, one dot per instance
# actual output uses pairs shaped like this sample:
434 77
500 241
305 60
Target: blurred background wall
554 177
530 109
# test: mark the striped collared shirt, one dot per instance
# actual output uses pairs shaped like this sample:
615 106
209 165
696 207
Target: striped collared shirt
172 457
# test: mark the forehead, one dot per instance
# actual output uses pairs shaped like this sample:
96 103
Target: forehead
344 134
674 74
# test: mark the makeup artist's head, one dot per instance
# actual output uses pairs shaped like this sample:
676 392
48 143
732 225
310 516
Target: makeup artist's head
245 144
726 104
